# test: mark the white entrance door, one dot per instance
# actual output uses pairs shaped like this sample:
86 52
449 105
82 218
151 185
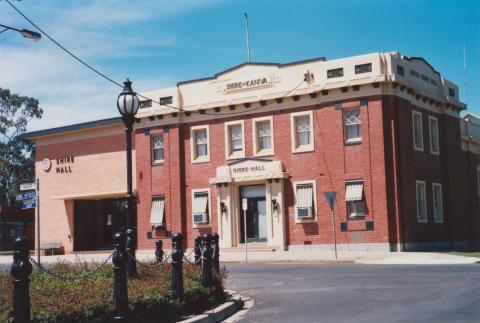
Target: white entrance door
262 220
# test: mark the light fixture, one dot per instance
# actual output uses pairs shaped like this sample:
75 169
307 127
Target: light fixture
275 204
32 35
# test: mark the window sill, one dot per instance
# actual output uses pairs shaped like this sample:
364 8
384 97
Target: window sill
435 153
353 142
356 217
418 149
236 156
201 225
158 163
305 220
201 160
264 153
304 149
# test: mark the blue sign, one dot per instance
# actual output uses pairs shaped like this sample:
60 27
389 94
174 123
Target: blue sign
331 196
25 196
28 204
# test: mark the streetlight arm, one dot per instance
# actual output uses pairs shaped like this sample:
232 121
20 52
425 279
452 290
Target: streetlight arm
25 32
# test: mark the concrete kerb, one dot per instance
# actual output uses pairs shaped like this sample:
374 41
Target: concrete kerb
226 312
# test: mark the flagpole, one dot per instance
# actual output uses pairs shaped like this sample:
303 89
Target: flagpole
248 38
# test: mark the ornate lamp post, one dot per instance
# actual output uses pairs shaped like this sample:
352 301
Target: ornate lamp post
25 32
127 104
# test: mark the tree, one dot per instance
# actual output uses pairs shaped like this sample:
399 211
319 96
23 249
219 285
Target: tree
17 161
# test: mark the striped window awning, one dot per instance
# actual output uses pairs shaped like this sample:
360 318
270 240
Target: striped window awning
200 203
157 215
354 192
304 196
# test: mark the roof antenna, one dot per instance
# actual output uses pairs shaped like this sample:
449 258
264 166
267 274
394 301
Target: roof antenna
465 72
248 38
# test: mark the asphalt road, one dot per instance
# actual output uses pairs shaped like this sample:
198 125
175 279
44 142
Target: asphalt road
358 293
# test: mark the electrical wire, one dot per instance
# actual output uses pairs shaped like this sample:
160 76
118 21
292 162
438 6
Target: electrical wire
121 86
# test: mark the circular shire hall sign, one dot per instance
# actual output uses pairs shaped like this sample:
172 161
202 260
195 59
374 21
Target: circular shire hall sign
46 164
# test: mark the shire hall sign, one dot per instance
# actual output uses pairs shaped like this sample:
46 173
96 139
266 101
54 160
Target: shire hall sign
63 165
261 82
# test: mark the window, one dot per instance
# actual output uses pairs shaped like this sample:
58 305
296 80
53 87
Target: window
354 198
145 104
433 130
352 122
451 92
336 72
234 142
157 149
363 68
417 130
400 70
200 206
421 202
166 100
263 144
200 147
433 82
305 201
415 73
157 213
301 124
425 78
437 203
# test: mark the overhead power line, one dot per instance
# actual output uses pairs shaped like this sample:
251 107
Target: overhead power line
120 85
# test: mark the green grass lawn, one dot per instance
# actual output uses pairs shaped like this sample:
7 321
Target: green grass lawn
466 253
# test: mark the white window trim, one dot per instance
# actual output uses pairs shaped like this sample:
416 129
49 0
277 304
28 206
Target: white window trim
414 113
315 207
264 152
430 118
160 161
202 225
194 158
353 140
228 143
424 200
293 132
441 202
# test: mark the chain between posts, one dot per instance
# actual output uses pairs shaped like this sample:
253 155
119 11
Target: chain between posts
202 250
86 275
151 265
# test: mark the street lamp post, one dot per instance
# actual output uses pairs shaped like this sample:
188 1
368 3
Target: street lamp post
25 32
127 104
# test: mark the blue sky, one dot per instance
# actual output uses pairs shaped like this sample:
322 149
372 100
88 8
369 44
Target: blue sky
158 43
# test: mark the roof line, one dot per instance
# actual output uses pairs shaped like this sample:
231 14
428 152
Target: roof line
78 126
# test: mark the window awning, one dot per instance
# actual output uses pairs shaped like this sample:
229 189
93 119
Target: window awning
158 211
200 203
304 196
354 192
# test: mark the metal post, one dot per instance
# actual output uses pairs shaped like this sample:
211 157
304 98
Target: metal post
132 267
245 233
334 233
158 250
38 219
120 290
197 250
21 270
216 252
207 260
177 265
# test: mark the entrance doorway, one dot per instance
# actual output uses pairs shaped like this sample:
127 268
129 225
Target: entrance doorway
95 221
256 217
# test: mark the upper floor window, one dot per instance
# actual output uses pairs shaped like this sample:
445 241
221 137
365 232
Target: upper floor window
157 149
234 140
400 70
200 206
437 203
166 100
200 146
305 200
336 72
354 198
421 201
415 73
263 143
352 123
451 92
417 130
433 82
363 68
433 131
302 131
425 78
145 104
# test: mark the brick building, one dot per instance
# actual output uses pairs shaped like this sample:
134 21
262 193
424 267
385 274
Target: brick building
381 130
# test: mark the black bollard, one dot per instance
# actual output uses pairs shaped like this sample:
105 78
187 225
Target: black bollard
177 265
207 260
216 252
21 270
131 263
158 250
120 291
197 250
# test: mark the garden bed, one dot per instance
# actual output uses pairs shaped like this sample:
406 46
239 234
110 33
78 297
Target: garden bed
90 300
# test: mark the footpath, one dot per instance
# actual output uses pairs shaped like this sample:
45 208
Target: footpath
269 256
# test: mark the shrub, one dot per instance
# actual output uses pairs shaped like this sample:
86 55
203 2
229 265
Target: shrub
90 300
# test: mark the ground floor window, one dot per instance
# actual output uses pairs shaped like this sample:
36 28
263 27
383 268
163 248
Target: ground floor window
421 202
304 200
355 200
157 214
200 207
437 203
